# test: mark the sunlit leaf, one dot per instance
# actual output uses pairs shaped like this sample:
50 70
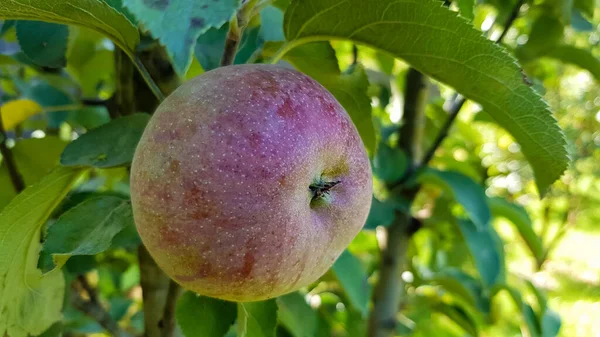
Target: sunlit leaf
518 216
34 158
439 44
16 111
94 14
30 303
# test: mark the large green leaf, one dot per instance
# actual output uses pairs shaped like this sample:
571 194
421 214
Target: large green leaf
95 14
110 145
518 216
201 316
257 319
44 43
34 158
178 23
550 324
296 315
318 60
438 43
486 249
580 57
353 277
88 228
30 302
466 191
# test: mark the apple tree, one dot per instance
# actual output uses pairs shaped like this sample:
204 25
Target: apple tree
447 97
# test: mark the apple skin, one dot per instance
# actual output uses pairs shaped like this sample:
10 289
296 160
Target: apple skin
221 182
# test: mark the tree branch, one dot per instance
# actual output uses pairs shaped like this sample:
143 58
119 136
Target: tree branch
389 288
168 318
155 289
9 160
94 309
236 31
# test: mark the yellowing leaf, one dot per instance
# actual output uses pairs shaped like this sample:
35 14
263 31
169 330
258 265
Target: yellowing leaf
17 111
29 301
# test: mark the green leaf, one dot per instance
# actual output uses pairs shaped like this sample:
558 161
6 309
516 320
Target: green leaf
94 14
296 315
353 277
466 8
210 46
87 229
531 321
466 191
178 23
486 249
34 158
550 324
580 23
29 301
201 316
257 319
539 295
48 96
459 316
437 43
390 163
380 214
580 57
318 60
587 7
546 33
110 145
518 216
271 23
43 42
464 286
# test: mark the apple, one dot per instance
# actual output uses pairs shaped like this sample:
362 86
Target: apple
248 182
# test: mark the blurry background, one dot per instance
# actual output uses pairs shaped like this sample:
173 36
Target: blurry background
556 265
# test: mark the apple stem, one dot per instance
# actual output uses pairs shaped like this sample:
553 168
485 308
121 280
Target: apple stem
321 188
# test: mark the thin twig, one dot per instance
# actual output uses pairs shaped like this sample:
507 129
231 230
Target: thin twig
511 19
137 62
9 160
354 54
94 309
168 319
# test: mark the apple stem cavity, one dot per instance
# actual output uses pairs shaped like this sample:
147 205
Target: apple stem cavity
321 188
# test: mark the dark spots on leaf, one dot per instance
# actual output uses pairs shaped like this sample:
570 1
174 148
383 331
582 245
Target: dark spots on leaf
526 79
197 22
157 4
204 6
